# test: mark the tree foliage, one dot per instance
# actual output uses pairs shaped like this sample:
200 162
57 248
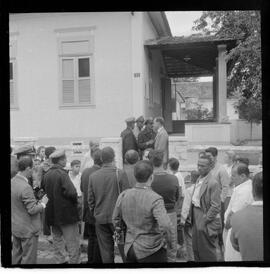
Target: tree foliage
244 75
198 112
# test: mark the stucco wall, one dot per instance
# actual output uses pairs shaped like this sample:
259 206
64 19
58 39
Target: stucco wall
39 114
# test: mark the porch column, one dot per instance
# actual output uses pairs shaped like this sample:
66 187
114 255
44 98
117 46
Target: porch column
222 85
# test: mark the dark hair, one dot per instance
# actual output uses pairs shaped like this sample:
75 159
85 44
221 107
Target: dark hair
93 148
242 169
257 185
107 155
49 151
143 170
25 162
156 157
207 157
132 156
243 160
160 120
212 150
173 164
194 175
97 157
75 162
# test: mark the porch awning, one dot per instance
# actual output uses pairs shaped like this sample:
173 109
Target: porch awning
191 56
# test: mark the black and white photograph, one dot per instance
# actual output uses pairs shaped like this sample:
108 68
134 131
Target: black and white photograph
135 138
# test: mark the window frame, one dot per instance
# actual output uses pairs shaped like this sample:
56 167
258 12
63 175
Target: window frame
14 80
76 56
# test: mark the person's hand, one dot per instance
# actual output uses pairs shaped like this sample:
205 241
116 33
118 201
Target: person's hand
151 142
44 199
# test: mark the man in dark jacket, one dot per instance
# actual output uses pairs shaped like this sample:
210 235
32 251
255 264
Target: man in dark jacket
61 210
146 137
93 251
104 188
128 138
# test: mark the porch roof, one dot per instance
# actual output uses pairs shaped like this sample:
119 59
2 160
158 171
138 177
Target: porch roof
191 56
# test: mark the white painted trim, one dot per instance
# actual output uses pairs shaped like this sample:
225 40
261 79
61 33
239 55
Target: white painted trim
75 29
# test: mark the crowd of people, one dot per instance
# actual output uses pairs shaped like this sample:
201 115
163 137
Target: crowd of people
148 209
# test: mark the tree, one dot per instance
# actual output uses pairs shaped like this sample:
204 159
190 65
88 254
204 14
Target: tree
244 79
198 112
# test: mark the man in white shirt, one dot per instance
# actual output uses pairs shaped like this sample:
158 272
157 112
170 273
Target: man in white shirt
241 197
75 177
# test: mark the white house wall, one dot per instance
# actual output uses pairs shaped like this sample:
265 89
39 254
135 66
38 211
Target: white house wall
39 114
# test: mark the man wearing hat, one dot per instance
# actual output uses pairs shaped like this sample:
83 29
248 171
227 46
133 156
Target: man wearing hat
139 126
128 137
61 211
146 138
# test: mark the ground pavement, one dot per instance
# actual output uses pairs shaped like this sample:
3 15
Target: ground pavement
46 254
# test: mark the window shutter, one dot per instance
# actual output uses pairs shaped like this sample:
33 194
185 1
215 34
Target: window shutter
68 91
11 93
84 91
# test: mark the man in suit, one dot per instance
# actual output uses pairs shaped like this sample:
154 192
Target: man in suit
61 211
25 214
103 192
93 248
247 225
162 139
128 138
206 205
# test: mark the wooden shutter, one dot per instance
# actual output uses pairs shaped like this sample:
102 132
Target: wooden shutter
11 84
68 91
68 87
84 81
84 91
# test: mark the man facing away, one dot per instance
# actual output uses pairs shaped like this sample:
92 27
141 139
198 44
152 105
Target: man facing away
241 197
131 158
61 211
162 139
247 225
25 214
87 160
93 251
103 192
146 137
128 138
206 222
167 186
138 127
145 216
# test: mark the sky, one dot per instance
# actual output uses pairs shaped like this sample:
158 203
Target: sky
181 23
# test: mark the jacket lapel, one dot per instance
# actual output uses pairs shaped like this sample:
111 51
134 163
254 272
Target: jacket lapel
204 185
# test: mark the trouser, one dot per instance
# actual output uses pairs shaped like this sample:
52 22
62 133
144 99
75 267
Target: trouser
188 242
66 236
172 252
93 251
46 227
24 250
204 247
159 256
106 242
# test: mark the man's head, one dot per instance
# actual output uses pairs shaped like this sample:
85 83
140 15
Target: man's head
173 165
257 186
93 148
25 150
59 157
202 153
212 152
139 122
143 172
75 166
132 157
130 122
49 151
149 123
204 165
97 157
107 155
158 123
36 163
25 166
146 153
194 175
229 157
156 158
41 151
243 160
240 173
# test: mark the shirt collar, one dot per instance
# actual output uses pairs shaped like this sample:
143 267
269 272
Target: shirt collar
159 129
247 182
23 177
257 203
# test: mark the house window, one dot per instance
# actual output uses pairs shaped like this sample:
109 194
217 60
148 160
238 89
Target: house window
76 80
76 70
12 85
151 92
